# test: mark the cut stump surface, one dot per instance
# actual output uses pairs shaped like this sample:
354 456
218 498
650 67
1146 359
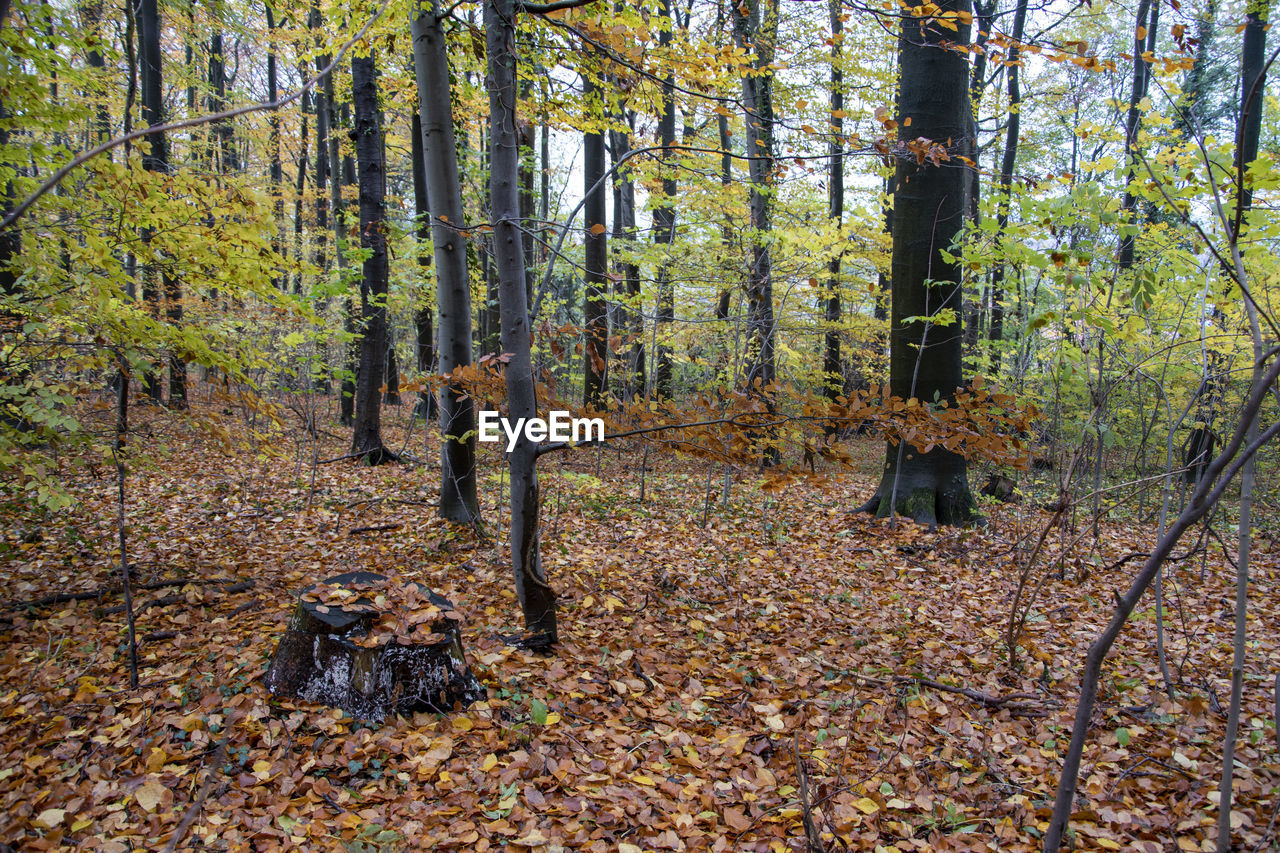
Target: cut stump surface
373 646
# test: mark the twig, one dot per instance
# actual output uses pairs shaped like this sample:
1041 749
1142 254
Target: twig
189 817
813 840
376 528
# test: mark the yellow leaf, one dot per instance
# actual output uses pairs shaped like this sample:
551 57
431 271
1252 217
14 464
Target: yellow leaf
156 759
1107 844
490 762
624 847
641 779
463 724
866 805
82 823
597 229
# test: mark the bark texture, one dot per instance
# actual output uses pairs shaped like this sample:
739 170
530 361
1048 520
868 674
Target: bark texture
929 210
453 280
537 599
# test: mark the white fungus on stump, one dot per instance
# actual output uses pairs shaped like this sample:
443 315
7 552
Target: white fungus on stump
373 646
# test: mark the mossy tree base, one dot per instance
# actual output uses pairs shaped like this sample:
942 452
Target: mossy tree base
929 488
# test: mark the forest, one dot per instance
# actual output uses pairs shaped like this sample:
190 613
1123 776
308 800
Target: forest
647 425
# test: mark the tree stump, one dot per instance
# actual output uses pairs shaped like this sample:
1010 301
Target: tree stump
372 646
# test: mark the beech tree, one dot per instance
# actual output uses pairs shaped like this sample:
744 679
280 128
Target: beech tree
453 282
366 439
925 320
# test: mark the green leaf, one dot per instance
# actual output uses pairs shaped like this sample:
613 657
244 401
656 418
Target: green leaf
1122 737
538 711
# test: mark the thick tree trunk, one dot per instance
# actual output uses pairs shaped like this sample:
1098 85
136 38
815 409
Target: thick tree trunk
537 599
453 281
929 210
596 256
367 434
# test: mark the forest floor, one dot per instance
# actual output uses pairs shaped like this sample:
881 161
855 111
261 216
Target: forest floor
718 665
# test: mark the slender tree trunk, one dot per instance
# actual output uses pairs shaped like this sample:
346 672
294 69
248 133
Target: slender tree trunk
832 373
424 311
995 331
596 255
367 434
453 280
726 229
537 599
1252 100
929 211
633 383
664 220
273 142
755 29
156 283
1141 81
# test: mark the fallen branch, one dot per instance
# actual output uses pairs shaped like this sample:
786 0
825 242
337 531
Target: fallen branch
376 528
165 600
193 810
102 592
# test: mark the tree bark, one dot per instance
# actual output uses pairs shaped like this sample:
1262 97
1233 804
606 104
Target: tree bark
624 226
537 599
664 221
367 434
423 313
596 252
1252 101
439 143
995 331
157 284
929 210
755 29
832 372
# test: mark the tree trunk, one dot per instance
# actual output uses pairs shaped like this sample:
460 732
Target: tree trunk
1141 82
632 317
832 373
155 284
925 354
367 435
439 143
537 599
273 142
596 253
424 312
1253 81
755 29
995 331
664 221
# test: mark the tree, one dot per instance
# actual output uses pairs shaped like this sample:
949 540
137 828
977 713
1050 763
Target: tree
596 249
664 218
537 599
453 281
158 284
832 373
929 209
755 26
366 439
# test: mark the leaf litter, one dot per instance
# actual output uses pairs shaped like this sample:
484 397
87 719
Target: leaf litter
785 666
